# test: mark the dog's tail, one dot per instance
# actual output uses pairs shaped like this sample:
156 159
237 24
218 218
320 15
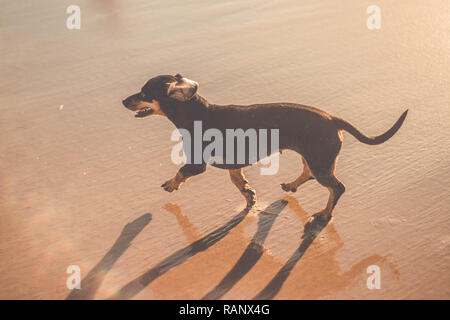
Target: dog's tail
344 125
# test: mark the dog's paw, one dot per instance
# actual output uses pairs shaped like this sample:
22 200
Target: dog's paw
250 196
319 218
170 185
288 187
315 224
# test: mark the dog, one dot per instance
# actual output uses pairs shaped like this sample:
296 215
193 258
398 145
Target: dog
312 133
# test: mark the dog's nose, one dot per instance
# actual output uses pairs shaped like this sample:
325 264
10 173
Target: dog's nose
124 102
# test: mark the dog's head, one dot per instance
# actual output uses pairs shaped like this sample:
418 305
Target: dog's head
158 89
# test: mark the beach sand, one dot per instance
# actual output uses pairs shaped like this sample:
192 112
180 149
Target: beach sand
80 176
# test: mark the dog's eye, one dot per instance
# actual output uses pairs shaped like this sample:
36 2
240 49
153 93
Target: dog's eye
142 95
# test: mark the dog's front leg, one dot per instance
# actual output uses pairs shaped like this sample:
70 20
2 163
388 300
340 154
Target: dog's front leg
182 175
239 180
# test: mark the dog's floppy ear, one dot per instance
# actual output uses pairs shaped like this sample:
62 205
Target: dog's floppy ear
182 89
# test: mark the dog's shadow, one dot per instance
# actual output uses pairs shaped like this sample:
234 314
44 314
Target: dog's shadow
137 285
253 252
311 231
93 280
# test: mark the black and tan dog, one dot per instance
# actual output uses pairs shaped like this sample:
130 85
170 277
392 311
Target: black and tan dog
314 134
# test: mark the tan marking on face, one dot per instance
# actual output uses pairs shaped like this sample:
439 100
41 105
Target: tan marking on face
182 89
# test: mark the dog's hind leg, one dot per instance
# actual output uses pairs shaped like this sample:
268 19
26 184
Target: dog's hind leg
306 175
239 180
322 163
323 171
336 189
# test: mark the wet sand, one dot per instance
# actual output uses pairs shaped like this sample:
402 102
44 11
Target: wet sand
80 176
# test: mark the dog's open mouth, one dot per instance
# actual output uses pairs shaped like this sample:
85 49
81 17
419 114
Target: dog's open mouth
143 112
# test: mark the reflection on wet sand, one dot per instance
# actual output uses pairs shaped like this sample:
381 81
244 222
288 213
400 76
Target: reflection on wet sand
191 232
320 275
